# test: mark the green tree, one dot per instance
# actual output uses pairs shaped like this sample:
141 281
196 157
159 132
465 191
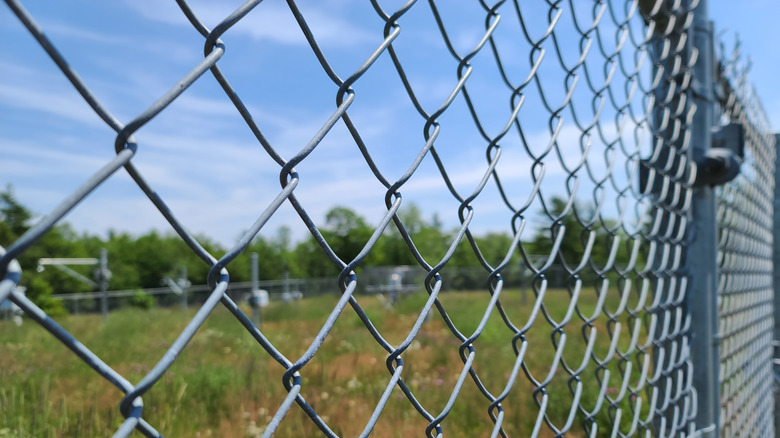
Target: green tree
572 248
15 220
14 217
346 232
494 247
428 237
274 258
576 236
310 261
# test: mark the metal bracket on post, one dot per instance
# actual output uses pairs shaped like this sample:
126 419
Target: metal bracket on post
731 137
721 163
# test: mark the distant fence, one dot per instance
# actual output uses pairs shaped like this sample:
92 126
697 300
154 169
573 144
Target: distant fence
676 337
377 282
88 302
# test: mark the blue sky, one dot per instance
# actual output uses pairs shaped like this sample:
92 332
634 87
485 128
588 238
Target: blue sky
203 160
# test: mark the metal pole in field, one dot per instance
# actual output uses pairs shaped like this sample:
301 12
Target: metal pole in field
183 283
103 276
255 285
702 298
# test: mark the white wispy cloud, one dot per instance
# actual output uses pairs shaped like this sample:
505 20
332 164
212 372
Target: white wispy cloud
269 21
168 49
20 155
59 29
71 107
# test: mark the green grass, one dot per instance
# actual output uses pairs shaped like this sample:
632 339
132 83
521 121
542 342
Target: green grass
225 384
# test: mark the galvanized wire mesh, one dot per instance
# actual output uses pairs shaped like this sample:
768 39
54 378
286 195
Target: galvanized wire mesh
745 290
615 103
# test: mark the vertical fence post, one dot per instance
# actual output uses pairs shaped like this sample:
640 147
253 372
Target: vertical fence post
103 276
184 283
776 275
702 300
255 285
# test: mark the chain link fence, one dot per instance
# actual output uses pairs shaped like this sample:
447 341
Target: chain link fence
745 263
613 86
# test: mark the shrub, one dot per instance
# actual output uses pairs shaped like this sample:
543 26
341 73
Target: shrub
141 300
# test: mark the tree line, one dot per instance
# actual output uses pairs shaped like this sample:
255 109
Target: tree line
139 262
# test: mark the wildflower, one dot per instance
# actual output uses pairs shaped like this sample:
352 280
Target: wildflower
354 383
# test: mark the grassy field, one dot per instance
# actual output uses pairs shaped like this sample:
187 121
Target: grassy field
225 385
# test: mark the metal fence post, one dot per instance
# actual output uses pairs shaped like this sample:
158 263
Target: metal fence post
703 245
776 275
183 283
255 285
103 276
